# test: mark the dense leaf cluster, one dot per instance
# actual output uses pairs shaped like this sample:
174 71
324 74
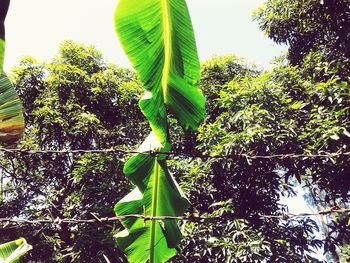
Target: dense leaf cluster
256 115
76 101
309 26
317 34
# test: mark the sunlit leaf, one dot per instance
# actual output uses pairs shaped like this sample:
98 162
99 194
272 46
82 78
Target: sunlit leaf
158 38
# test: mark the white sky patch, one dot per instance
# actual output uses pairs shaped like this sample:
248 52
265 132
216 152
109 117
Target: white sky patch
297 204
37 27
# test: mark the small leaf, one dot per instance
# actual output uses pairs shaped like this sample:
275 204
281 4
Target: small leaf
296 105
297 176
334 137
345 131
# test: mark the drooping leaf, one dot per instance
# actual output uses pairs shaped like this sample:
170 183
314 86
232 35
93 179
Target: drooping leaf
11 252
158 38
157 194
11 115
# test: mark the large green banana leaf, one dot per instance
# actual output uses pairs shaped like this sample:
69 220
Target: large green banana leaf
11 252
11 115
157 194
158 38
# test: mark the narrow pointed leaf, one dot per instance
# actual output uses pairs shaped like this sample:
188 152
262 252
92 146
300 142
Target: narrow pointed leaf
11 252
11 115
158 38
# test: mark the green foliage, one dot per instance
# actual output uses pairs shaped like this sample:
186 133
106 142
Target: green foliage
309 26
216 73
68 107
318 38
12 252
287 110
158 38
165 200
256 116
166 60
345 254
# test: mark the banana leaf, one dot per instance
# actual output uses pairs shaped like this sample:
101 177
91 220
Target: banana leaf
157 194
11 115
11 252
157 36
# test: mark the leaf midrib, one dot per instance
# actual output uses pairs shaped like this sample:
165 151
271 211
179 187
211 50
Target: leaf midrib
165 79
154 209
167 48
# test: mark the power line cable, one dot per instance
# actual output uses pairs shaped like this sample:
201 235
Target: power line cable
204 156
191 218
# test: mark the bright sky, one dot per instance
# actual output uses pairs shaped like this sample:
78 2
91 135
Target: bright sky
37 27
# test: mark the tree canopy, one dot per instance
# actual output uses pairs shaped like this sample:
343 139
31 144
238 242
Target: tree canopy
76 101
320 27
